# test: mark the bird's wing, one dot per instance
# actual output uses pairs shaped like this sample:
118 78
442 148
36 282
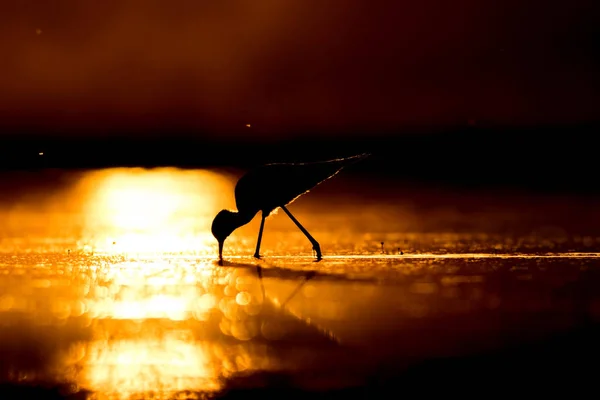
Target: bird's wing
274 185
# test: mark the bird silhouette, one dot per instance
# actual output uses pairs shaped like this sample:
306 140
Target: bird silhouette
274 186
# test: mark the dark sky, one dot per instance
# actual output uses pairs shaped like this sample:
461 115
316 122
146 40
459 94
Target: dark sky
293 65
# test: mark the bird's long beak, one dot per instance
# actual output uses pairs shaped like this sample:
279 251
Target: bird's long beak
220 251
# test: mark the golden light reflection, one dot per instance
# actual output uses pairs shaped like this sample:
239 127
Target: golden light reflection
163 327
139 291
158 365
158 210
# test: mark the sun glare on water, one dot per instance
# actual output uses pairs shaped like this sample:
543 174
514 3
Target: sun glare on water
158 329
159 210
162 365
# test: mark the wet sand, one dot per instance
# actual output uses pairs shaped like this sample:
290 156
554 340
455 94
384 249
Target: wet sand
110 289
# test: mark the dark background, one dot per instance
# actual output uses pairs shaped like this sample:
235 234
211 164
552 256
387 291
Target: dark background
467 92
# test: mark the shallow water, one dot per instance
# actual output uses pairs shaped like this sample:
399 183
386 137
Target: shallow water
109 286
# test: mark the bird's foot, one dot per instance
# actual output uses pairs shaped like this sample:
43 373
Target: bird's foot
317 250
257 256
220 262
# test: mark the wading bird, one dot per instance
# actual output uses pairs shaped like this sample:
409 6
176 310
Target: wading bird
274 186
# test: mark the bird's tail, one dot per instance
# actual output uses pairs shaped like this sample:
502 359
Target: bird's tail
344 161
354 159
360 156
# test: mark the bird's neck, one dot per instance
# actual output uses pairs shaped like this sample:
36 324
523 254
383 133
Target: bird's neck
242 218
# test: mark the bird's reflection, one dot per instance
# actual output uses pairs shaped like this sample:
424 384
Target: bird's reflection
305 276
260 277
271 301
308 276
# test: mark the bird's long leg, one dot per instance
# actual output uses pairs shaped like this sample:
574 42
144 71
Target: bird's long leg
260 232
315 244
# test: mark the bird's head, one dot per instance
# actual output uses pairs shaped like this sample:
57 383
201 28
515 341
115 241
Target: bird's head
223 225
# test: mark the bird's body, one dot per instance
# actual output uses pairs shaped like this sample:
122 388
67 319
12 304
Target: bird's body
271 186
